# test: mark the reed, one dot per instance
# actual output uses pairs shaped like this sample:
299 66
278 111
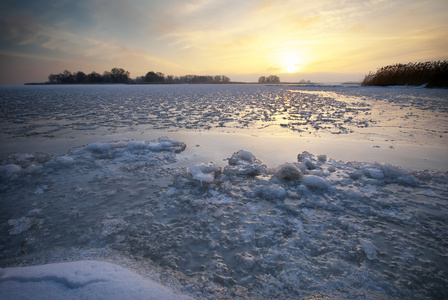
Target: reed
433 74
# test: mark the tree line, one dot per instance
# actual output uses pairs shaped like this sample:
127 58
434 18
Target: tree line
158 77
431 73
116 75
269 79
119 75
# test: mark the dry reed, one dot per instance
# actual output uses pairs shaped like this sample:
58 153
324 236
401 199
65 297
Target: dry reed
433 74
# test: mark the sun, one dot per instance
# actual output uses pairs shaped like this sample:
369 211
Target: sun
291 63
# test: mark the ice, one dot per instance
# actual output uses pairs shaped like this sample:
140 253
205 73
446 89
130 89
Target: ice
41 190
309 208
80 280
9 171
288 172
245 163
245 229
19 225
315 182
369 249
375 173
205 172
271 192
240 157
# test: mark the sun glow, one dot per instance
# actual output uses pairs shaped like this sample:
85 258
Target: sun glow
291 63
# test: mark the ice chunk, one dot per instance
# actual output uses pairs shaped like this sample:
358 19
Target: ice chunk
322 158
98 148
19 225
307 159
41 190
244 163
369 248
22 158
166 144
9 170
331 169
113 226
390 171
270 192
159 145
356 174
299 225
315 182
288 172
245 259
205 172
136 145
240 156
407 180
63 161
373 172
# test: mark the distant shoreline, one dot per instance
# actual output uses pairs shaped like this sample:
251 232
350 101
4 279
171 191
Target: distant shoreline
166 83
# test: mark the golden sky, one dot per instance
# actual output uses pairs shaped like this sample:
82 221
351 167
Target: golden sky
320 40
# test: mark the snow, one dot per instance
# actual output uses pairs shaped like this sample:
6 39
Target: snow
315 182
205 172
246 192
80 280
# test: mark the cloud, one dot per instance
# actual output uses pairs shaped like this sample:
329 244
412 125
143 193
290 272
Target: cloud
20 29
174 36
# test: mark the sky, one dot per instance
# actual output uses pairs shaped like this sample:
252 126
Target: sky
318 40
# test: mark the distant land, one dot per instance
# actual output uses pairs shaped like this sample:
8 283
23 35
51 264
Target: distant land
121 76
431 74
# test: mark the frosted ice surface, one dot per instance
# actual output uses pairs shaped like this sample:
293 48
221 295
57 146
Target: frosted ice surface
220 231
236 227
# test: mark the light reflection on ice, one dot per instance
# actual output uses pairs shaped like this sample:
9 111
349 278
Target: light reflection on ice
398 124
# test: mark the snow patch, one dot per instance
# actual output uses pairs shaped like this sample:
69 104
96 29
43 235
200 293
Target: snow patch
80 280
315 182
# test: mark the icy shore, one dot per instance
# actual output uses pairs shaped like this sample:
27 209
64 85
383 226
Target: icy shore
314 226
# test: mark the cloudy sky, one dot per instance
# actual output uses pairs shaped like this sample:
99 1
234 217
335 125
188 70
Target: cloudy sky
320 40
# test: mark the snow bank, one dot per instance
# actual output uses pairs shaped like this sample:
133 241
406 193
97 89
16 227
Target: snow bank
79 280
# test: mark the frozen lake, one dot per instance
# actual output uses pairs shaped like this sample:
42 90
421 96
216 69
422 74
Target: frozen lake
340 192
